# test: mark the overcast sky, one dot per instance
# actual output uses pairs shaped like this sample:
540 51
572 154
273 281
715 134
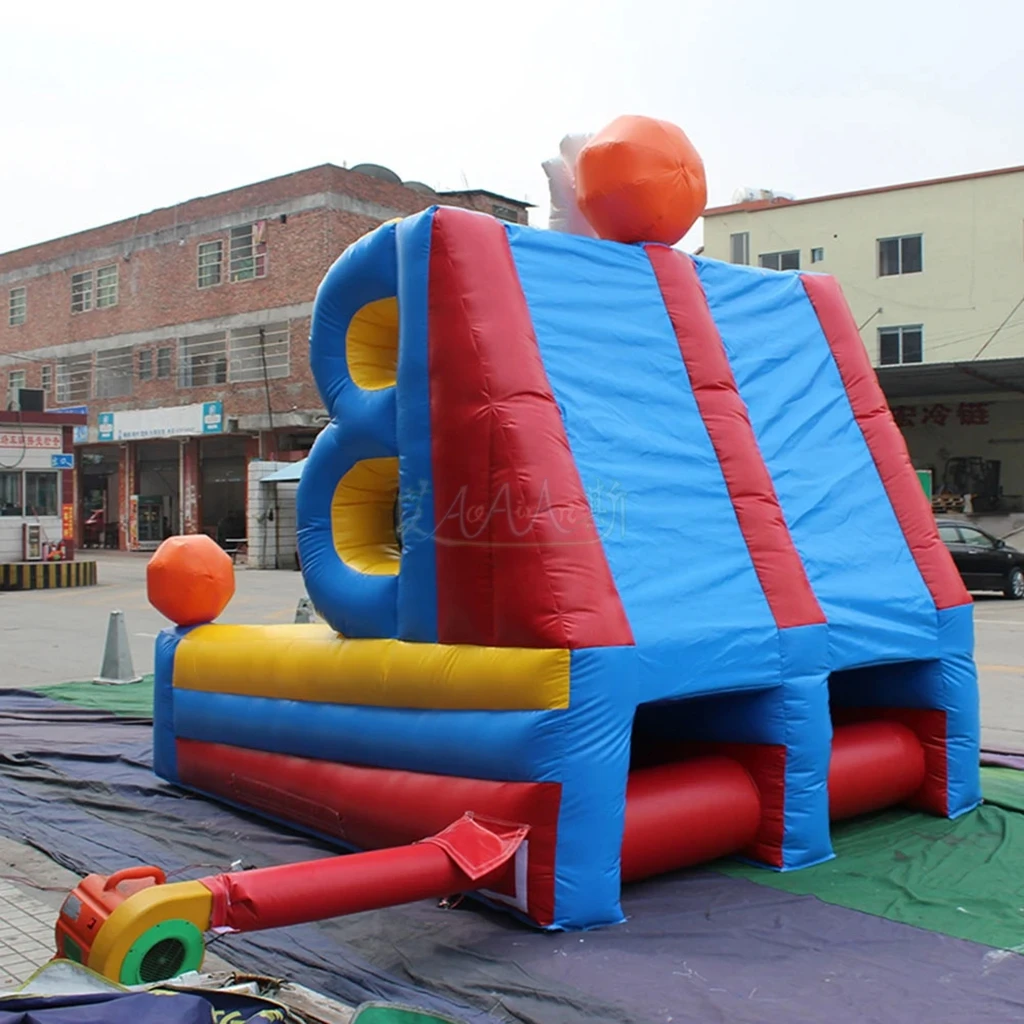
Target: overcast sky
116 108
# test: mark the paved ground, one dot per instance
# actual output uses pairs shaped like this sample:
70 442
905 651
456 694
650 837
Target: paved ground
57 636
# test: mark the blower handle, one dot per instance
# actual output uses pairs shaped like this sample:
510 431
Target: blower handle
130 874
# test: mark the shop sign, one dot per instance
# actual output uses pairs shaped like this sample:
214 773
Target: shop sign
967 414
30 440
68 522
81 433
62 461
176 421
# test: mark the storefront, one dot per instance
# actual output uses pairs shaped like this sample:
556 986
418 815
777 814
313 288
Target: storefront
36 487
162 472
965 424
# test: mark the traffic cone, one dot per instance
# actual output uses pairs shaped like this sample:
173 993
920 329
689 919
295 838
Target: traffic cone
305 612
117 656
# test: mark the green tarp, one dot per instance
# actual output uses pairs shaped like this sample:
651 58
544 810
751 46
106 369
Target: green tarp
130 700
963 878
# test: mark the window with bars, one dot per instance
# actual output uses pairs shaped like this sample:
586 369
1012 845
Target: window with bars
74 380
114 373
901 255
203 360
898 345
251 349
789 260
81 292
234 357
210 259
106 287
247 255
17 306
503 212
41 491
46 378
163 363
146 364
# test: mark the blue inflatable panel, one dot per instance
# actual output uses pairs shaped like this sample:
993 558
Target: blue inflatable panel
838 512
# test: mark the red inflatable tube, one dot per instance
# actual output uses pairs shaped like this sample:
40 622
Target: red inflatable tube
687 813
468 855
874 765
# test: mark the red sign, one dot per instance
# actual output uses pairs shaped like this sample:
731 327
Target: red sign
68 522
30 440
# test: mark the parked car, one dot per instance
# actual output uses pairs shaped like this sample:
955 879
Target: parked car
985 562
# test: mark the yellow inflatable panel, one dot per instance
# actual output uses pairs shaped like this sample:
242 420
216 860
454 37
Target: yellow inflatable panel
313 663
371 345
363 517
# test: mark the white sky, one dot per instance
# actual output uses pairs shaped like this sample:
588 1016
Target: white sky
116 108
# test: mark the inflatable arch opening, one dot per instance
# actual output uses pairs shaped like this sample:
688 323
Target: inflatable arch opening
363 518
668 586
371 345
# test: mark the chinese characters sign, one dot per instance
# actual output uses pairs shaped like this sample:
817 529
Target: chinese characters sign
67 519
29 440
967 414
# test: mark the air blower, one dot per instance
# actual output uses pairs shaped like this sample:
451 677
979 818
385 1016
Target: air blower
137 928
133 927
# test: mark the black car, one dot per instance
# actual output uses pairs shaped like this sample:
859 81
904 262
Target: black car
984 561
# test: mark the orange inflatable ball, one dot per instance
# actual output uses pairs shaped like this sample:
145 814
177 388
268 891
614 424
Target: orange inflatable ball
641 180
190 579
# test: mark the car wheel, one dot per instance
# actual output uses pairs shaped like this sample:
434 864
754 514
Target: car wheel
1015 584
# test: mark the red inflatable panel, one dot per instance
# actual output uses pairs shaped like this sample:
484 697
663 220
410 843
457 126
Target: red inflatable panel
874 765
776 561
687 813
884 440
929 725
519 559
373 808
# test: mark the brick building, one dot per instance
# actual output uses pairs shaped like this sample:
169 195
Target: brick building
183 334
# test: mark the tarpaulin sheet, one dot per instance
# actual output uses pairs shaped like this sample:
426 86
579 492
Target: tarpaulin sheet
697 946
132 700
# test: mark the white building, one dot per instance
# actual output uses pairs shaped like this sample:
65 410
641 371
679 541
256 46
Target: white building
934 274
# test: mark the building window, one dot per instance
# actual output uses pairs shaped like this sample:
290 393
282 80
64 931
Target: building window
898 345
15 382
817 255
106 287
739 248
146 364
10 494
41 494
248 253
211 256
46 378
203 360
502 212
903 255
17 306
257 351
780 260
163 363
114 373
74 380
81 292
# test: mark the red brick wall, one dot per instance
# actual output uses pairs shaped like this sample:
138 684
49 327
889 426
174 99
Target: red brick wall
157 286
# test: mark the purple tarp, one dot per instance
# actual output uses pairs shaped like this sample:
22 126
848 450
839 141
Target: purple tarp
698 946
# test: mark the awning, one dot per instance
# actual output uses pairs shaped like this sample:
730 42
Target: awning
984 376
288 474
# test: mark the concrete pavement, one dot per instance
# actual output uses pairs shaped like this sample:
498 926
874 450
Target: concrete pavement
56 636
